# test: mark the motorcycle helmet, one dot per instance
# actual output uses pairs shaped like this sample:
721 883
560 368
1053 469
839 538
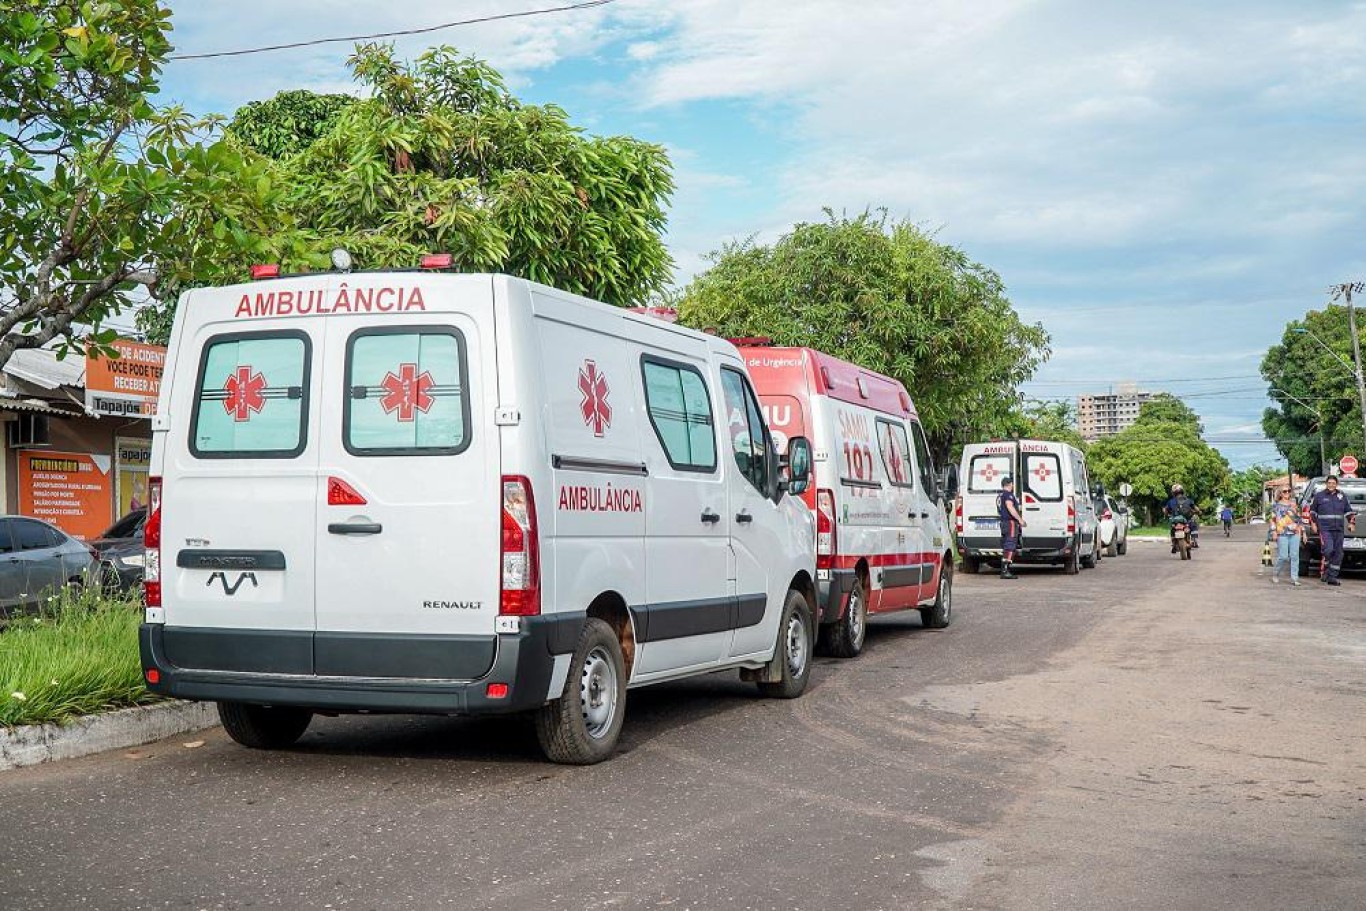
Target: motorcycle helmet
1177 488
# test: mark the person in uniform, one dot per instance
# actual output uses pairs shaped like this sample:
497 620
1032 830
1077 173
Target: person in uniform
1331 515
1008 510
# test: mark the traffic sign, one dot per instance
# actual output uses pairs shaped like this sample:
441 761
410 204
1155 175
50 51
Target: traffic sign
1348 464
1125 489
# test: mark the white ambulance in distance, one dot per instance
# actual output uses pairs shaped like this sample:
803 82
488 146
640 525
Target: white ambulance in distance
882 535
459 494
1054 491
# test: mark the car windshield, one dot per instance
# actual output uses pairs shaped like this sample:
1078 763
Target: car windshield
127 527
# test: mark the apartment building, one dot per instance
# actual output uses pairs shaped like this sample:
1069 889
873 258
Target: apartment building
1106 414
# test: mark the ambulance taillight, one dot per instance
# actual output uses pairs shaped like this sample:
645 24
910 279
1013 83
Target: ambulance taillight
151 539
825 529
1071 515
958 514
521 586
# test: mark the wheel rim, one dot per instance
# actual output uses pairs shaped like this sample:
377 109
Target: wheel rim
945 594
858 625
796 645
598 692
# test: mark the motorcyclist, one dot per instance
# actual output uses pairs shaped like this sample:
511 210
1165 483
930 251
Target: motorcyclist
1181 505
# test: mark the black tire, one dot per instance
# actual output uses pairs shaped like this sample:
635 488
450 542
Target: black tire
1112 549
1071 566
971 565
792 654
263 727
1306 564
844 638
1123 547
940 614
1184 547
583 725
1090 561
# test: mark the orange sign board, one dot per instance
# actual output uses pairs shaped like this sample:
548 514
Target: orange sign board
72 490
126 386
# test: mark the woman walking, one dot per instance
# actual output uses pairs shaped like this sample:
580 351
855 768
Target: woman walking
1285 526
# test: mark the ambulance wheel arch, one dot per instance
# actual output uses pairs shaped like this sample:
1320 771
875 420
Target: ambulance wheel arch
610 608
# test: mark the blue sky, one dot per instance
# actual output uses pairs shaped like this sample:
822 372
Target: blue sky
1163 185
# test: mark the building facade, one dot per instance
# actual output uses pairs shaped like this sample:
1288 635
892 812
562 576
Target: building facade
1106 414
77 446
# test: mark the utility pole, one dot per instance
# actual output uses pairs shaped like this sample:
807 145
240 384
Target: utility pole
1345 290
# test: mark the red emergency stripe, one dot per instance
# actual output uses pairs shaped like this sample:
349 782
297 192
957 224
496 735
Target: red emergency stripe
845 561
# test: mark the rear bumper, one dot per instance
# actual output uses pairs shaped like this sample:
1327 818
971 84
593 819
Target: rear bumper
1032 549
524 661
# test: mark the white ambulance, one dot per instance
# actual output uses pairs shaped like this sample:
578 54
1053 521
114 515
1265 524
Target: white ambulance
459 494
1051 483
882 535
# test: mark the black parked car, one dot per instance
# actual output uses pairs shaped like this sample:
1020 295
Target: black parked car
121 552
1353 542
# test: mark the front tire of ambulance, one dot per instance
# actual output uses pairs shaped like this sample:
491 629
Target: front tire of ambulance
791 667
844 638
583 725
263 727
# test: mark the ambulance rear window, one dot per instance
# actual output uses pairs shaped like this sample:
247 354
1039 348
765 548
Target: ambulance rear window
1043 476
251 399
985 473
406 392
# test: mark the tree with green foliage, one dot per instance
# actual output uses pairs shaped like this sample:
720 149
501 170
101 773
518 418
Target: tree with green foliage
1243 489
1163 447
1315 392
106 198
886 296
1045 421
439 156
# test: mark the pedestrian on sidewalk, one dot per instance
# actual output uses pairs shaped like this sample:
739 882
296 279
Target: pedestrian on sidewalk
1008 512
1285 526
1332 515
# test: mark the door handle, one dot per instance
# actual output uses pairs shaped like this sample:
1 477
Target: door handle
744 516
355 528
924 515
710 517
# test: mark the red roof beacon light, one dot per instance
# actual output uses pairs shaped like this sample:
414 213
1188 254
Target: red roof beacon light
265 270
436 261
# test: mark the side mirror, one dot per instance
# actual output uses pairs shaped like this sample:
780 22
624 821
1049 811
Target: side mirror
798 466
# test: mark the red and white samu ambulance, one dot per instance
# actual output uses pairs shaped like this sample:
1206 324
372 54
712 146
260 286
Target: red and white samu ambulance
882 538
458 494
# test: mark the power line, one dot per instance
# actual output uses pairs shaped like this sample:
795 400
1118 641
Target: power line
587 4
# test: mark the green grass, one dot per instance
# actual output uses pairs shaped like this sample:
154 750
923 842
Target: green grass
77 657
1150 531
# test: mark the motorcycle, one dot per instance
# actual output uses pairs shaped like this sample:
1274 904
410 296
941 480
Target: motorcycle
1181 534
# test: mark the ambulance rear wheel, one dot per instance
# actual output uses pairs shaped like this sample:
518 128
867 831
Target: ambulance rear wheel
263 727
940 614
971 565
791 666
583 725
1071 565
844 638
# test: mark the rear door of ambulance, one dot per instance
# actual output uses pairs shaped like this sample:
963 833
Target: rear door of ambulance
984 467
408 580
235 441
318 469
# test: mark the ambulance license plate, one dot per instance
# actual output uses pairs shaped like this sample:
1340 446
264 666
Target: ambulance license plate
986 524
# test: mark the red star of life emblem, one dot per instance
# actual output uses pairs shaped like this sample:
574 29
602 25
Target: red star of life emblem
406 391
988 473
244 390
594 408
1042 472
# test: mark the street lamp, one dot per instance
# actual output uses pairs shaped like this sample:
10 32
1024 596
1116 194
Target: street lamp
1323 458
1353 369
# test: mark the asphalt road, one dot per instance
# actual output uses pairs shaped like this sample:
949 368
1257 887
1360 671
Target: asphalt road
1149 734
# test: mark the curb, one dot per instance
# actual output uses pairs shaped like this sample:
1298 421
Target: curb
37 743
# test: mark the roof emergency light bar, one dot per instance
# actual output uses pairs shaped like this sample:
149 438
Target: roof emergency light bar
751 341
435 261
265 270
